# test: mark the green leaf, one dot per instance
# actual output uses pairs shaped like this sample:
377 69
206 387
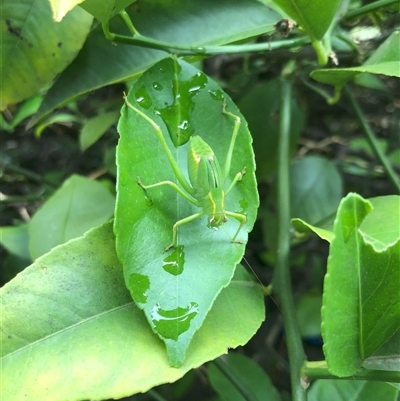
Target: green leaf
316 187
385 60
15 240
316 190
351 390
59 118
386 214
95 127
314 17
61 7
386 357
361 306
260 107
104 10
308 311
27 109
239 372
302 227
35 48
77 206
205 259
70 330
199 25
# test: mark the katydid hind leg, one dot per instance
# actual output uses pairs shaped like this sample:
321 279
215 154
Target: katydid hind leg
241 218
236 127
174 165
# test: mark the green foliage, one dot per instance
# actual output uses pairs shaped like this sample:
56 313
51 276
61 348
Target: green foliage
351 390
159 20
385 60
206 258
100 329
360 289
77 206
314 17
104 312
35 48
254 382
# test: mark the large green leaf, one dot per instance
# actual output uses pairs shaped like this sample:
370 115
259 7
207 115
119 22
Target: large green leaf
351 390
70 330
316 187
103 10
361 303
385 60
316 190
95 127
194 23
314 17
80 204
15 240
386 213
60 8
236 372
34 48
261 106
177 289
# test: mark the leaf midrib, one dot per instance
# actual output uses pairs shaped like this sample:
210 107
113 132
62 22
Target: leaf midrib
96 316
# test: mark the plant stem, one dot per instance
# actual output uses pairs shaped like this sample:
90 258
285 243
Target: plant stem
28 174
185 50
369 8
247 394
282 275
319 370
372 140
320 51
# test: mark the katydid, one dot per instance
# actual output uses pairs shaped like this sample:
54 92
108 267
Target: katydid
207 181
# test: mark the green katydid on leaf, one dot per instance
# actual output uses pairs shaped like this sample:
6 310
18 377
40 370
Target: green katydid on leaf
182 179
207 188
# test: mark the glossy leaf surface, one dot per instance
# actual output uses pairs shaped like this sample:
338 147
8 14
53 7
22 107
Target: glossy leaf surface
70 330
200 23
361 304
78 205
34 48
176 289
